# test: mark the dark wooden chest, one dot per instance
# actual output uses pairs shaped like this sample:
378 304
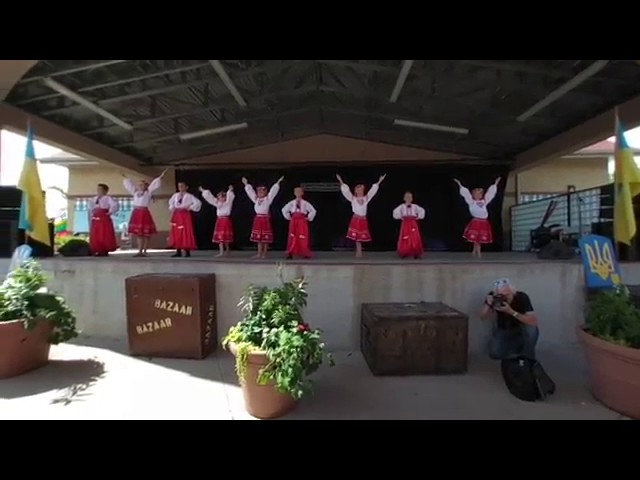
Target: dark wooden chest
171 315
414 338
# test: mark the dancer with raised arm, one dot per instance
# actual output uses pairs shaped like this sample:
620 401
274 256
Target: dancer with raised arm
409 240
262 231
359 226
141 224
299 212
181 236
102 234
478 231
223 230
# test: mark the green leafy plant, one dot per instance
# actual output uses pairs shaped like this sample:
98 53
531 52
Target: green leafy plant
272 323
613 316
24 296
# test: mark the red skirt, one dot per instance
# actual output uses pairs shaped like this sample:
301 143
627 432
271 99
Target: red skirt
478 231
223 231
298 243
102 235
181 236
359 229
410 240
261 231
141 223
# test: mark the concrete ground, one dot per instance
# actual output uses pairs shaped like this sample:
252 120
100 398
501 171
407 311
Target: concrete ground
95 379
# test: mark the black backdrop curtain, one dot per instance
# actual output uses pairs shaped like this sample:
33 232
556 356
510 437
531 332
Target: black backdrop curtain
433 189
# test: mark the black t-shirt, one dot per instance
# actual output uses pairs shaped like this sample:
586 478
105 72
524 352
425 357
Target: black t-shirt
521 303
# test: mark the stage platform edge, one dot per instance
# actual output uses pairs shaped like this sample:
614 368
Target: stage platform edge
338 285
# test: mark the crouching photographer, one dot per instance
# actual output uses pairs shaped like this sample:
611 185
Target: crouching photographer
515 332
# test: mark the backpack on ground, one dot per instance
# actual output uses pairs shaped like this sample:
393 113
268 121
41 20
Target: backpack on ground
526 379
75 247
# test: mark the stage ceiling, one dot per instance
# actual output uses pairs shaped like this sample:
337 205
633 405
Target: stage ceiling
168 111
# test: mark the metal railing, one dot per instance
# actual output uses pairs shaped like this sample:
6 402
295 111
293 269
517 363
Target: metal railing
577 213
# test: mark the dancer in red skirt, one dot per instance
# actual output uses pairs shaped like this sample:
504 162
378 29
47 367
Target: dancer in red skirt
359 226
478 231
223 230
261 231
299 212
181 236
409 240
141 224
102 235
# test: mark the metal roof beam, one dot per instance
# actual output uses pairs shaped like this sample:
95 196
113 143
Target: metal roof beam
363 67
136 95
167 89
565 88
402 78
517 67
115 83
69 71
71 95
203 109
415 101
226 80
247 119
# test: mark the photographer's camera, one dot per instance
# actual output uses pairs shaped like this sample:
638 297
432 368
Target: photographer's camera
498 301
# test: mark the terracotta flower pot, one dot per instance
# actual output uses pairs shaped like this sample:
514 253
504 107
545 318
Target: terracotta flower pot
23 350
262 401
614 373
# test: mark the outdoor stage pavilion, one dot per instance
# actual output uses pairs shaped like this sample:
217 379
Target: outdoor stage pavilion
142 116
138 114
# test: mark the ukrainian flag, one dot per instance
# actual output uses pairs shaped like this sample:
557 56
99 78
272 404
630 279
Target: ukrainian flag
33 213
627 186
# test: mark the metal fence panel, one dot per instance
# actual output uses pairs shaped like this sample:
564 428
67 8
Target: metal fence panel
576 213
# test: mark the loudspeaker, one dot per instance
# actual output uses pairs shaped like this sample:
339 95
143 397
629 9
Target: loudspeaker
556 250
10 197
76 247
8 237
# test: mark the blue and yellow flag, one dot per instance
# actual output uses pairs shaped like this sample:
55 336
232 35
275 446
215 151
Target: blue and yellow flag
627 186
33 212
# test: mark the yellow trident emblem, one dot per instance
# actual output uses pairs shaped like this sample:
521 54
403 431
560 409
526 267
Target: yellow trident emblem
601 263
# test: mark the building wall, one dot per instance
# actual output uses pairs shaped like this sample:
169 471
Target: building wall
553 178
83 181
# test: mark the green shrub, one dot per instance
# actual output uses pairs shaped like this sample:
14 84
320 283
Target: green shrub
613 316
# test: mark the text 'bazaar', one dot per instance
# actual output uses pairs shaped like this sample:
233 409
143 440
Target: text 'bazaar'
173 307
149 327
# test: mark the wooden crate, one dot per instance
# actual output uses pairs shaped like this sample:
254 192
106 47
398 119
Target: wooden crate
171 315
414 338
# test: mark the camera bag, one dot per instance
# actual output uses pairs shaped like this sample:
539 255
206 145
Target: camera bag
526 379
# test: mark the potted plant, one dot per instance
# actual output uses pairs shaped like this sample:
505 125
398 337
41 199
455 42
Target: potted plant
611 339
275 351
31 319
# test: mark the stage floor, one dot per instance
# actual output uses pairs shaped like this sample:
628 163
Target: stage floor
330 258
